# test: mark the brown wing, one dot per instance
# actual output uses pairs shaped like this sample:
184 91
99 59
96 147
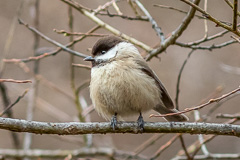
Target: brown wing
167 101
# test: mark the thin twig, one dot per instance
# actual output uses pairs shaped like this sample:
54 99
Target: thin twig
211 18
66 33
176 9
200 106
139 18
206 117
179 79
235 16
59 154
198 145
72 75
15 81
33 93
115 6
210 48
152 21
184 148
82 66
164 147
134 7
106 26
176 33
231 5
52 41
237 39
205 20
6 102
56 154
15 102
53 52
10 36
152 140
228 116
212 156
103 7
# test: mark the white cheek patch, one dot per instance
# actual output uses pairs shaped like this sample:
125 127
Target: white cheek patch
110 54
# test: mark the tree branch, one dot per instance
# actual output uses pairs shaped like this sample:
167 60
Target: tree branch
152 21
76 128
15 102
91 16
235 91
175 34
52 41
211 18
211 156
37 153
15 81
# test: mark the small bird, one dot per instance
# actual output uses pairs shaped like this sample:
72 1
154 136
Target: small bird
123 84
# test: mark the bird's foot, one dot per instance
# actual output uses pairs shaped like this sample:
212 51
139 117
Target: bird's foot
140 122
114 121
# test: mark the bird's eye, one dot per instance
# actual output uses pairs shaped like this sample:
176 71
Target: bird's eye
103 52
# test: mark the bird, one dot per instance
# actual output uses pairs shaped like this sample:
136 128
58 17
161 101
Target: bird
122 83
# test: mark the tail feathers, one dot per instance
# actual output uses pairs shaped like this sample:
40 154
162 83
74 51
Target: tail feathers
174 118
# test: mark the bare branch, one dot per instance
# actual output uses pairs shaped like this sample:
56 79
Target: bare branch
139 18
15 81
184 147
235 16
151 20
52 41
82 66
229 116
147 143
202 105
37 153
53 52
208 16
76 128
179 79
79 33
11 105
175 34
165 146
210 48
106 26
231 5
237 39
175 9
211 156
56 154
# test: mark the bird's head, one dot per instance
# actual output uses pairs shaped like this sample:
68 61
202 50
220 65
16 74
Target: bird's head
110 48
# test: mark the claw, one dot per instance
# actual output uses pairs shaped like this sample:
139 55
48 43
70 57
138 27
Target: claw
114 121
140 122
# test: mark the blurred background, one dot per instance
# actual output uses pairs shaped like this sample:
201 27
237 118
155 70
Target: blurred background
206 72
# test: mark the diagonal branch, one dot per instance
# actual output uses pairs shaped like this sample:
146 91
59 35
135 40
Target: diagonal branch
92 16
11 105
52 41
211 18
150 18
175 34
202 105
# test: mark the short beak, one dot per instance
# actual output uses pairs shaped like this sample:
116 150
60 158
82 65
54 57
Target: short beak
89 58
